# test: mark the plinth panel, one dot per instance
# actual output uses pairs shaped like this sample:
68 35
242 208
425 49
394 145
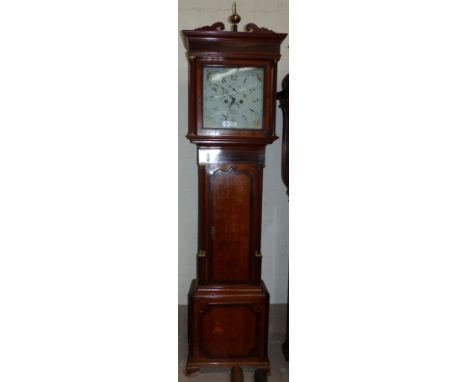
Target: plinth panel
229 329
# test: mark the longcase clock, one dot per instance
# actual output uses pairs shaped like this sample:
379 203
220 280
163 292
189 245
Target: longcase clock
232 94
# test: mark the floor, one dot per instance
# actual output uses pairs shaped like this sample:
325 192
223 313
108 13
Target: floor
279 366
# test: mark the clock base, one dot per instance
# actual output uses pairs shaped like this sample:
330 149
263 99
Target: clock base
228 326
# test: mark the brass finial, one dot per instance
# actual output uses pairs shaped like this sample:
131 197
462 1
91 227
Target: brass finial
234 18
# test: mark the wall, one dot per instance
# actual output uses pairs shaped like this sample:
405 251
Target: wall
272 15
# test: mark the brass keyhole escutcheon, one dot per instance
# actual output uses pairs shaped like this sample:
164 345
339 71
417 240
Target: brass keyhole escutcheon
212 232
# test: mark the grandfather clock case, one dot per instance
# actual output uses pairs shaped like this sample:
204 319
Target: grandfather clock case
232 95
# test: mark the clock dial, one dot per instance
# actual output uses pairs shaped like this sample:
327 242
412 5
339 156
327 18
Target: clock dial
232 97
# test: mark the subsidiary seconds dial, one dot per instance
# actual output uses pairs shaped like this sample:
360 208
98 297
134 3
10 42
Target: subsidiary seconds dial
232 97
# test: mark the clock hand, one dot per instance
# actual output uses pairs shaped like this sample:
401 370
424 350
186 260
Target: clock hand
230 105
232 99
226 93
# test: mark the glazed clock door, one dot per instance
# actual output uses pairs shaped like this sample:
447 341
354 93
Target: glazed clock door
232 205
232 98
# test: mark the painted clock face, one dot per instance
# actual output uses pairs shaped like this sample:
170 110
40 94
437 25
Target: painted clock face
232 97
